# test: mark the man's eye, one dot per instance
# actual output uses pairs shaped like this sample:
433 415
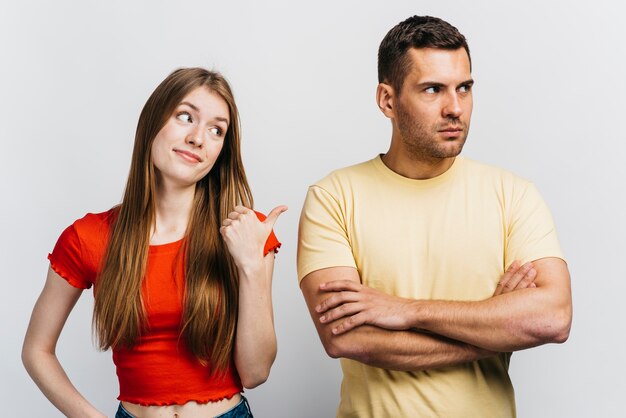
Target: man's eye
216 131
184 116
432 90
465 89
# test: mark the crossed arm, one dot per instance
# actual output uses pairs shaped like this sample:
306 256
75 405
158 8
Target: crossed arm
531 306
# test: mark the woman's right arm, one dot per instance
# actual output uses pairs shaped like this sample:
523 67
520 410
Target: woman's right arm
54 305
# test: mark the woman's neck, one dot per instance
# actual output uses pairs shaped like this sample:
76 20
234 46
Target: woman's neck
172 212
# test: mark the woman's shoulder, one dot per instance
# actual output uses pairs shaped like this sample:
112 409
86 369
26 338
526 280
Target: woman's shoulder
95 224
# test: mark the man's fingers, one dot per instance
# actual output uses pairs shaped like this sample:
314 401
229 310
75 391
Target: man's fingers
349 323
272 217
335 300
511 277
339 285
516 277
527 280
513 267
340 311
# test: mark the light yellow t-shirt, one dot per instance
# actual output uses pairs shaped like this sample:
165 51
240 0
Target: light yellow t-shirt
450 238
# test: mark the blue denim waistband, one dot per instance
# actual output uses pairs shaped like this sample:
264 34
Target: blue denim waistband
241 410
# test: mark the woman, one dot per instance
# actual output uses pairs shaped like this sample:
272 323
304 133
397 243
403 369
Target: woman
182 268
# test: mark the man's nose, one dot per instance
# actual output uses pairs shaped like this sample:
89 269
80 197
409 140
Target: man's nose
452 107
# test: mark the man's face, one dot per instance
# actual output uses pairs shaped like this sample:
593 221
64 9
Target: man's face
433 109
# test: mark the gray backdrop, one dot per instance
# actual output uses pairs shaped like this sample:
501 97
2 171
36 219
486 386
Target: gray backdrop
549 104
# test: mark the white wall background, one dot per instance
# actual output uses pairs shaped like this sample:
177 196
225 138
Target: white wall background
549 105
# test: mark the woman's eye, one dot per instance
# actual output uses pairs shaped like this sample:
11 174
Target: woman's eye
216 131
184 116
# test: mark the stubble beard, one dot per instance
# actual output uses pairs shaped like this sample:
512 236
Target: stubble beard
421 141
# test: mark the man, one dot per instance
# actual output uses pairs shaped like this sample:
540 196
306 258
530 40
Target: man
402 258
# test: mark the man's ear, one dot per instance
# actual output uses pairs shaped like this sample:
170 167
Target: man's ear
385 97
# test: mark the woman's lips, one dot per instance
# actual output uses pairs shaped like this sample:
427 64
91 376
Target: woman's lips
188 155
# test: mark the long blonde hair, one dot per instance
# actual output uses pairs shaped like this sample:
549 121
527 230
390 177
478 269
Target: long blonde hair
211 283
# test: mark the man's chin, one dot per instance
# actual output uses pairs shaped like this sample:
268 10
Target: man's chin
451 149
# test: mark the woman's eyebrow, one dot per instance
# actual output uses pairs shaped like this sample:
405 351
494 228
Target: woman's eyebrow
194 107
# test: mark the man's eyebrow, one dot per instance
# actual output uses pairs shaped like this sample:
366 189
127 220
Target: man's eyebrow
431 84
194 107
468 82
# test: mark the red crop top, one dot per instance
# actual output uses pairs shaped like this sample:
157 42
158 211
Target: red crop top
158 369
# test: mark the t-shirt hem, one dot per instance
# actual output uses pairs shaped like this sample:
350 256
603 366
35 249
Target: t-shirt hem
539 256
273 248
310 268
180 401
68 278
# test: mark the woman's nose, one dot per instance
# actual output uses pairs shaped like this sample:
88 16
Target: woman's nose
195 137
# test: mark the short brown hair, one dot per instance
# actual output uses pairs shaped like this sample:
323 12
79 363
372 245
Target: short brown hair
414 32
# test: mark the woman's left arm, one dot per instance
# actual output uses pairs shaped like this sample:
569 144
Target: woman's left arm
255 340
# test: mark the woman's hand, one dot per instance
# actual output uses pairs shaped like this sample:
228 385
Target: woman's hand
245 235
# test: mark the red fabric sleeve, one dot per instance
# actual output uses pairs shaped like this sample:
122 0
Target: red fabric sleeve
67 261
272 243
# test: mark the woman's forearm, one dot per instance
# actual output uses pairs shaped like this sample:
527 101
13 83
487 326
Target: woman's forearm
46 371
255 344
38 352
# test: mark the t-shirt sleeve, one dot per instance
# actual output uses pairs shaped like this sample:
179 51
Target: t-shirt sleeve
323 239
67 261
272 243
531 231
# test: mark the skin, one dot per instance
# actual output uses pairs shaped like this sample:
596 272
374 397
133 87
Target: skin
395 349
183 152
532 303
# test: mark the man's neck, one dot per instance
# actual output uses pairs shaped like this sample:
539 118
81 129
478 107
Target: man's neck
414 167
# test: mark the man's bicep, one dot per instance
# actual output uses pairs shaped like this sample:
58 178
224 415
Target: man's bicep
553 275
552 272
310 286
553 280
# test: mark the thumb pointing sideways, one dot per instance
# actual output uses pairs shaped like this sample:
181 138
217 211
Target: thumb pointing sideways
272 217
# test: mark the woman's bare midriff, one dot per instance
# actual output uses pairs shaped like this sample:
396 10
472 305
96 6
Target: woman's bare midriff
189 410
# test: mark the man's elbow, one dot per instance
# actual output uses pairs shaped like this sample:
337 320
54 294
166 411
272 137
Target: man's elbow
556 328
333 349
562 326
342 346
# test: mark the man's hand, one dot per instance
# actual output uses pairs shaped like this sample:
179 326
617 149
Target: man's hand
360 304
516 278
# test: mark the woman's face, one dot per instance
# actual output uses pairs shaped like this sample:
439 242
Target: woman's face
185 149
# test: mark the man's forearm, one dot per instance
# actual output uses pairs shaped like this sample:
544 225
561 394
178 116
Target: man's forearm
508 322
401 350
